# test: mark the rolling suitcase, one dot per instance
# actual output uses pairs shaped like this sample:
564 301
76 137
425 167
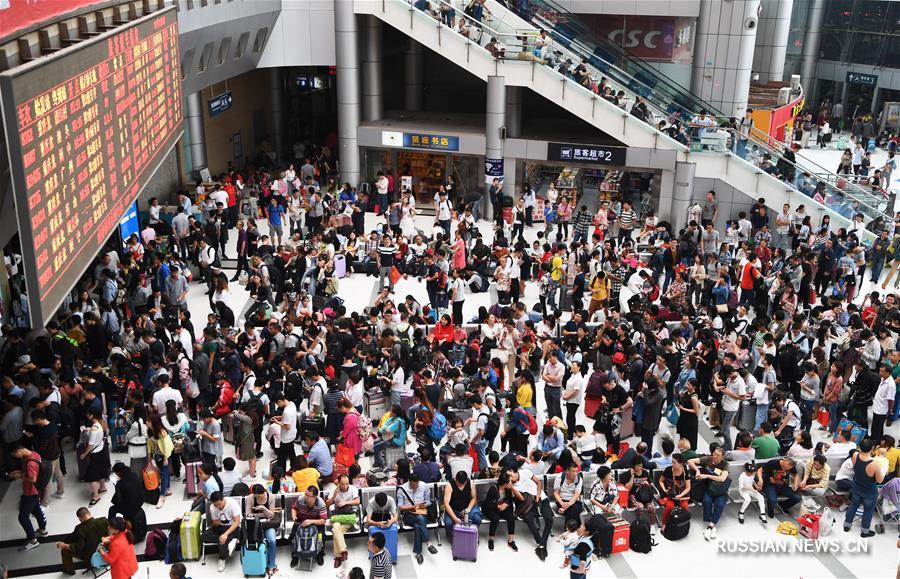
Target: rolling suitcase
626 428
190 536
340 266
82 462
192 478
407 399
316 424
390 540
601 534
253 550
621 535
228 428
119 444
376 405
465 542
679 524
747 417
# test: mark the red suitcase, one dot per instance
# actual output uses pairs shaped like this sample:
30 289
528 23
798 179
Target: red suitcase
621 534
192 478
465 542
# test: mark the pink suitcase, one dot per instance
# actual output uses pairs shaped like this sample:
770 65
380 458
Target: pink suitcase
465 542
192 478
340 266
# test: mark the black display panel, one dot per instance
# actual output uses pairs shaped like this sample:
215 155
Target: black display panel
87 127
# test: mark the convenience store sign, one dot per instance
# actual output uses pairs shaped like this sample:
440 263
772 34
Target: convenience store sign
433 142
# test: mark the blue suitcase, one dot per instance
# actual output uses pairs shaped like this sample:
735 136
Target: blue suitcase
253 560
390 540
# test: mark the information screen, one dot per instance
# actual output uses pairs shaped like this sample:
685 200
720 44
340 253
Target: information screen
86 129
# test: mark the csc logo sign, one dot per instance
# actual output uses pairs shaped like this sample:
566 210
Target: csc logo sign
636 38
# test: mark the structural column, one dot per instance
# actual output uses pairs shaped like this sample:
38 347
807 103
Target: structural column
723 54
413 79
495 120
682 193
276 96
771 39
348 105
196 131
809 58
373 100
514 111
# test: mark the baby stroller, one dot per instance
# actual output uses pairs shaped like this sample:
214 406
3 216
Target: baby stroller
888 504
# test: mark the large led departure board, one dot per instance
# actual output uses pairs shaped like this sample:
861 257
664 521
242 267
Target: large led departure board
86 129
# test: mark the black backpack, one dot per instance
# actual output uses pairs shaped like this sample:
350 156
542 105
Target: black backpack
254 404
640 540
492 428
45 472
678 525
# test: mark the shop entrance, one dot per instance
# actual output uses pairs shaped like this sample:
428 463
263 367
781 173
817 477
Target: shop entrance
591 185
458 174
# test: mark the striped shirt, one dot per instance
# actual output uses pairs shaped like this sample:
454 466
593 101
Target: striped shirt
386 255
627 218
310 513
380 566
371 246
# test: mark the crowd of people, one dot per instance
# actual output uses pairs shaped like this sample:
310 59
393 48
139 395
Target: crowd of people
757 332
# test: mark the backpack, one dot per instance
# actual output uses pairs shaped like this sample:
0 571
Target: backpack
492 428
155 545
529 420
364 430
305 542
255 405
438 427
594 387
640 540
151 477
45 471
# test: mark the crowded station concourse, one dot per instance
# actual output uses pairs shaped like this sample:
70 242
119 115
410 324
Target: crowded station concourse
310 382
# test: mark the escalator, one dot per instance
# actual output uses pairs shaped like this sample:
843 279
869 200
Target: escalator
505 44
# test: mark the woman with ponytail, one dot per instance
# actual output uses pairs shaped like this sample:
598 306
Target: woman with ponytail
118 550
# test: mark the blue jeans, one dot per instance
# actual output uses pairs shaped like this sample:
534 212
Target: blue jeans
896 413
772 493
877 266
420 530
379 450
474 519
834 416
481 449
269 535
163 477
762 414
30 506
552 290
712 508
868 504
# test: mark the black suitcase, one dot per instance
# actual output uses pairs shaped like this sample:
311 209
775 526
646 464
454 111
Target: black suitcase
601 534
316 424
747 416
679 524
139 525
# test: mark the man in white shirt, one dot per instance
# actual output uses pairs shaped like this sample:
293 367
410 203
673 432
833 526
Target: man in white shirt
224 525
164 394
288 421
841 447
886 391
525 482
733 391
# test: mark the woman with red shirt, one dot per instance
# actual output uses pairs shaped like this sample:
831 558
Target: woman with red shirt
443 332
118 550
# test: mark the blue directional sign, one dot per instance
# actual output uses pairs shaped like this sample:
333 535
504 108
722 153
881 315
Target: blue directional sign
219 104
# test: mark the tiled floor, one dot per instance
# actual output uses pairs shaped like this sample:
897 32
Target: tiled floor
692 557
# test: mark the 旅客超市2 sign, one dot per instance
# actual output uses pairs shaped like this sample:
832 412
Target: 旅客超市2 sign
433 142
586 154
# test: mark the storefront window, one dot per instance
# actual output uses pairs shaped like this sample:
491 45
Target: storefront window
870 15
891 55
892 20
866 48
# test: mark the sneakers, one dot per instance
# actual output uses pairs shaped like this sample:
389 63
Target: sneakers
42 533
490 544
712 532
32 544
867 534
220 566
741 517
707 533
512 545
431 549
762 517
419 558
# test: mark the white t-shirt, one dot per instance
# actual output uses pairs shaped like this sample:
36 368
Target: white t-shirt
444 211
398 380
220 196
356 393
738 387
460 286
163 395
745 482
227 513
575 383
289 417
